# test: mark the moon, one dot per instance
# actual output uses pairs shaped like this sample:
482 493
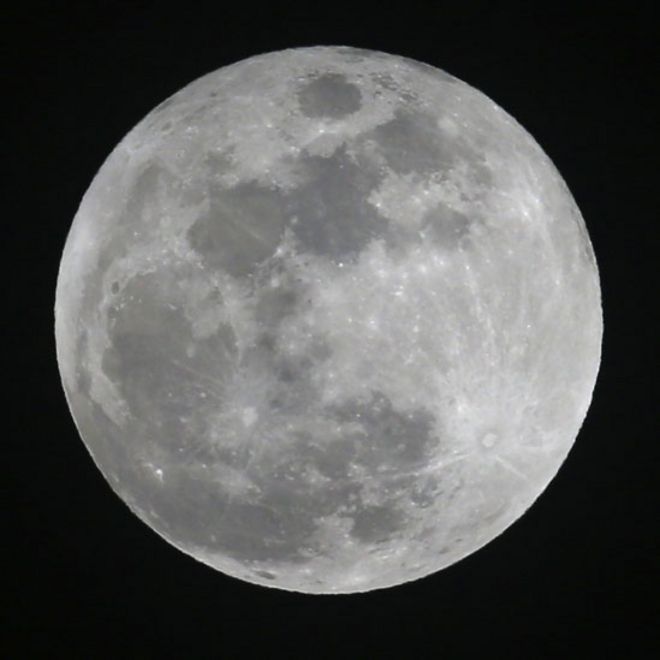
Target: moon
328 320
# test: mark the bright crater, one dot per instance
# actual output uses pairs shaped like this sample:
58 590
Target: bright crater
328 320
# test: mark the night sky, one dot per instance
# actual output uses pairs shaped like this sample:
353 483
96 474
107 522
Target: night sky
575 577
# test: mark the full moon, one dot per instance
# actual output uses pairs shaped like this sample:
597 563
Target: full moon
328 320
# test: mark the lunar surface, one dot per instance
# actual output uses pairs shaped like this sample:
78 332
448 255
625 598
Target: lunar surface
328 320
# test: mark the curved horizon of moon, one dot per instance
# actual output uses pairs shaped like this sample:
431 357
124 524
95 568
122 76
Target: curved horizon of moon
328 320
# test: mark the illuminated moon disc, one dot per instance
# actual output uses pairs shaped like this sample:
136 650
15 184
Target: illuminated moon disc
328 320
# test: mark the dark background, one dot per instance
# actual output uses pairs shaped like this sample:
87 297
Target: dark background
574 578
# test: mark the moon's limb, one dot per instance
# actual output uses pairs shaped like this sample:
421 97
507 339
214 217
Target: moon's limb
328 320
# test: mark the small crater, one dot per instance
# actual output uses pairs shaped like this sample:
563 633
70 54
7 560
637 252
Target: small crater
489 440
329 95
114 287
386 81
267 575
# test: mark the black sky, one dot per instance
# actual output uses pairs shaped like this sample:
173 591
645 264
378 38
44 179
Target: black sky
576 577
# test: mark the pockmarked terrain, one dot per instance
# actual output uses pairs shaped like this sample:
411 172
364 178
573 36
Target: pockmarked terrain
328 320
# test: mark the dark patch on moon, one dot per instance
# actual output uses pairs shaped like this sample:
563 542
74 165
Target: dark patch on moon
375 524
279 524
148 354
290 370
328 212
332 459
334 217
329 95
186 506
218 163
83 378
255 532
446 227
242 228
276 303
411 142
388 439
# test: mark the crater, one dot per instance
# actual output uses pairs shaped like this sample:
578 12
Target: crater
267 575
489 439
329 95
